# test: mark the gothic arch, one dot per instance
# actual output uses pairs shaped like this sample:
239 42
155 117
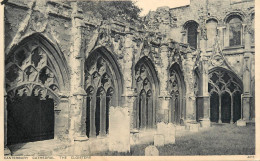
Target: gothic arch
35 74
227 88
103 85
177 89
147 88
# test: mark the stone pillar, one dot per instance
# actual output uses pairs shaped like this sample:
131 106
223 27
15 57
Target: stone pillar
77 95
128 68
164 93
190 95
204 98
128 65
6 149
61 114
246 96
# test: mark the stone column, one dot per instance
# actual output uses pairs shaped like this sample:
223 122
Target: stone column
164 93
77 94
203 100
190 95
246 96
6 149
128 68
61 114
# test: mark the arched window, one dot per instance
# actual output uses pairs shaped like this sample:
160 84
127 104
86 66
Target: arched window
225 96
235 30
192 34
211 32
177 90
34 76
103 87
146 85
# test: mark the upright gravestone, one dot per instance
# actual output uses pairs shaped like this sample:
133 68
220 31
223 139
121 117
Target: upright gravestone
119 129
159 138
151 151
168 132
171 131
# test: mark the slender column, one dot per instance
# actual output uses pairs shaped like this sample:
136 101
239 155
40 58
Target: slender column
219 111
232 111
103 115
246 97
205 122
92 132
77 92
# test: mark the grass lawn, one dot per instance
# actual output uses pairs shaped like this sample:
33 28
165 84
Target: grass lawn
220 139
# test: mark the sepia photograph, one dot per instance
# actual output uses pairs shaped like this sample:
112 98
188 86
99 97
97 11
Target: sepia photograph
86 78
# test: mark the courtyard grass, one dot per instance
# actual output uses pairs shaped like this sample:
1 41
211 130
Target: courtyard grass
220 139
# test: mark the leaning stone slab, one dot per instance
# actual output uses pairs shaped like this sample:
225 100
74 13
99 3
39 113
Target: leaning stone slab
119 129
151 151
241 123
158 140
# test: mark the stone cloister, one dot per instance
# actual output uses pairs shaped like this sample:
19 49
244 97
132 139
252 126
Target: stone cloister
64 69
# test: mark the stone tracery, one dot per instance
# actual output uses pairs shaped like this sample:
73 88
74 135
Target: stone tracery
223 86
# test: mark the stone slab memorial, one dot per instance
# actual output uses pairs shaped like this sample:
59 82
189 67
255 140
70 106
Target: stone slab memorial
119 129
151 151
168 131
158 140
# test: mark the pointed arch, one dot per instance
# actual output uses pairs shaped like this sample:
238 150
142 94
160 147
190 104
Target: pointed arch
228 87
147 88
101 72
36 72
56 57
177 89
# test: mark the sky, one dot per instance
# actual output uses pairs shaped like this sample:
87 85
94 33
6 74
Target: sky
152 5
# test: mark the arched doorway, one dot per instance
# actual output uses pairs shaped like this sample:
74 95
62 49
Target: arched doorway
146 86
177 90
225 90
103 87
34 76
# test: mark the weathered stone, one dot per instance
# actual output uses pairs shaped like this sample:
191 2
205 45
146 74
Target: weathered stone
171 132
73 44
151 151
158 140
241 122
79 147
168 131
192 126
134 138
119 129
205 123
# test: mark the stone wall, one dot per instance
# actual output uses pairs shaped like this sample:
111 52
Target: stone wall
75 35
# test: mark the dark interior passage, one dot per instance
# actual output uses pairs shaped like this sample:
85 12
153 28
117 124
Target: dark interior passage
29 119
